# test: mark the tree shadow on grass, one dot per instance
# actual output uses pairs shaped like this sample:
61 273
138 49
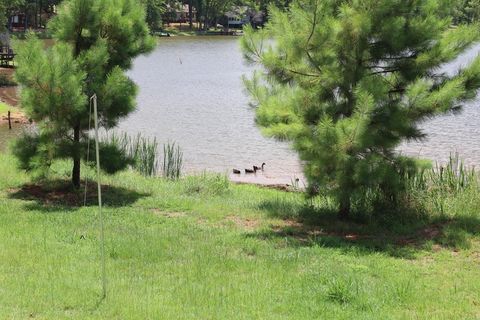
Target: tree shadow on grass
303 225
60 194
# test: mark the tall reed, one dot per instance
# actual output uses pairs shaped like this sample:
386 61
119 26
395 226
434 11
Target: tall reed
452 177
142 150
172 161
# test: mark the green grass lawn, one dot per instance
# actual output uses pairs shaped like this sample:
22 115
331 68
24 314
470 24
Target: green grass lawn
201 248
4 108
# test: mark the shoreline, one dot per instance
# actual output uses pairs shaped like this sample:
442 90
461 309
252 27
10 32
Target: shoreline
9 97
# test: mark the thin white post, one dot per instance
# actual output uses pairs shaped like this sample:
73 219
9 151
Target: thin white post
102 228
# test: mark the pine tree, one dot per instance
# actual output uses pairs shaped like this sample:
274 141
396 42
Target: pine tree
348 80
96 41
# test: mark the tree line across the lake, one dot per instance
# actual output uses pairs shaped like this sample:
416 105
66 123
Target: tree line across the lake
200 13
344 81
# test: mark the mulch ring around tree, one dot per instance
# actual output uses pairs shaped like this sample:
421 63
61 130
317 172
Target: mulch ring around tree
62 193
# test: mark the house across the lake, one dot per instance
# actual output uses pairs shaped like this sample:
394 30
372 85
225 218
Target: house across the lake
18 21
237 17
240 16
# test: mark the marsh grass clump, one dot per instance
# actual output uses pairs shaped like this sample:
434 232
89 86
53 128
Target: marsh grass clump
144 153
141 150
454 177
438 188
146 158
172 161
341 290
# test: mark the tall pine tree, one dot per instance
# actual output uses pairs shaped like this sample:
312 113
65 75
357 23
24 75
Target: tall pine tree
348 80
96 41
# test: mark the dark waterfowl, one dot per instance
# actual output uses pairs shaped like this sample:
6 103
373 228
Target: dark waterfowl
236 171
259 168
250 170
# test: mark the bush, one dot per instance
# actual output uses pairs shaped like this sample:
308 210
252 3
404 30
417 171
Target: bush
142 151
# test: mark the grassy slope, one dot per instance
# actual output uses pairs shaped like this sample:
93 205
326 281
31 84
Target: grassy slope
4 108
175 253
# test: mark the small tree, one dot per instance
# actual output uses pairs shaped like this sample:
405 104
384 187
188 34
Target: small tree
348 81
96 41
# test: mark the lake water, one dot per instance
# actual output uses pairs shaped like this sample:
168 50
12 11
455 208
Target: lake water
191 92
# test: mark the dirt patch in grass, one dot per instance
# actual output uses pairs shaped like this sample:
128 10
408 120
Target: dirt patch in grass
16 116
9 93
432 237
243 223
9 96
168 214
428 233
304 232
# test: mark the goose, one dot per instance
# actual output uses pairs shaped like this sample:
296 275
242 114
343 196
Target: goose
250 170
236 171
259 168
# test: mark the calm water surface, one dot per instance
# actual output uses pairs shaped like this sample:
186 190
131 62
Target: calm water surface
191 92
450 134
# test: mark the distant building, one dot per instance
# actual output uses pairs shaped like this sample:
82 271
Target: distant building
237 17
21 20
18 21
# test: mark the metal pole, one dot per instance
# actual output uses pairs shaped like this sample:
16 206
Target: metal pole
102 231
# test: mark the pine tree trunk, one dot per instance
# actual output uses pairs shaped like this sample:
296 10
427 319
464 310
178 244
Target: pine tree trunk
76 157
190 13
344 212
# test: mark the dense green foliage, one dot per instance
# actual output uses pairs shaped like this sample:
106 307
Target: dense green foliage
466 11
347 81
95 42
6 6
153 13
201 248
